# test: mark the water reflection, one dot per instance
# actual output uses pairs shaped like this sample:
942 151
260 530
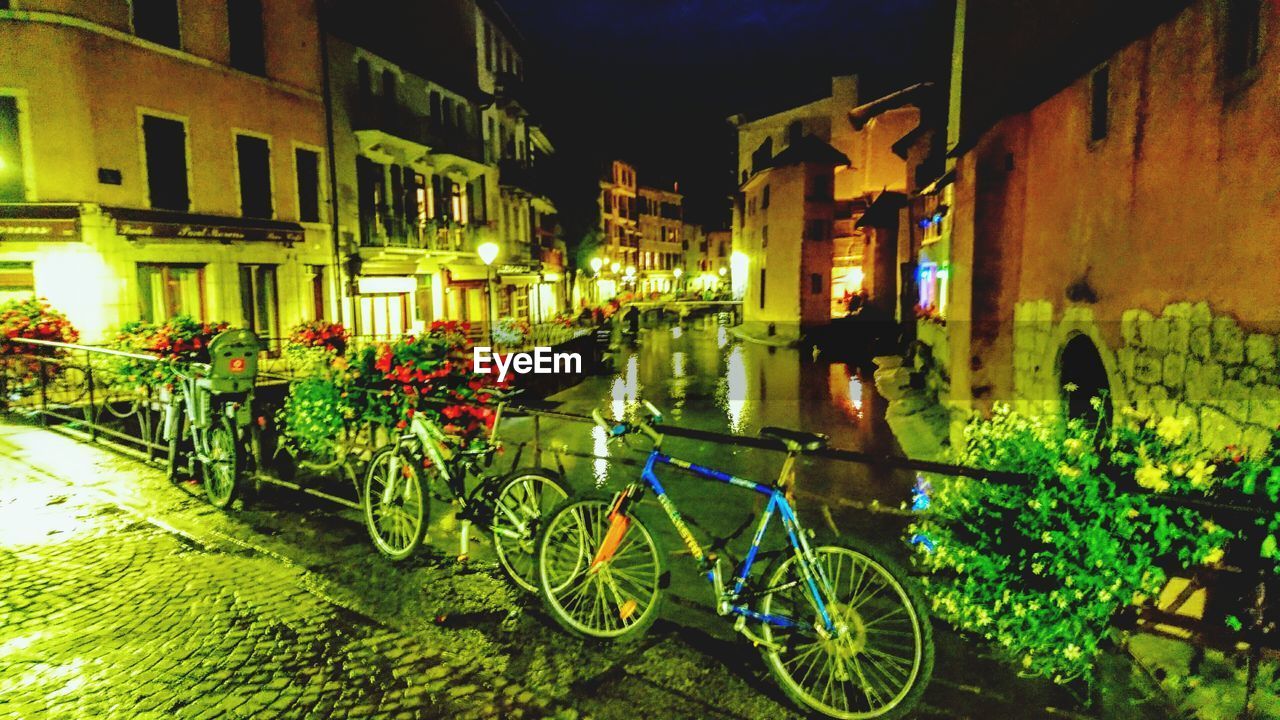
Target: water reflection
733 392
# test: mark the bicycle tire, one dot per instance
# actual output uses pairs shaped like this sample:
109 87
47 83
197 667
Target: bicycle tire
853 649
410 537
516 554
569 541
222 472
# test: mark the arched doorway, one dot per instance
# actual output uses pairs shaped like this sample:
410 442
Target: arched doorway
1081 368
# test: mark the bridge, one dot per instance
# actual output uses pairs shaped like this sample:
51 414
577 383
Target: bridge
679 308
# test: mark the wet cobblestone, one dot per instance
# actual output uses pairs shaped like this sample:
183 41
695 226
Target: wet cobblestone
105 615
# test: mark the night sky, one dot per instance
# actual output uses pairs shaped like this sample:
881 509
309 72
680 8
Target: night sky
652 81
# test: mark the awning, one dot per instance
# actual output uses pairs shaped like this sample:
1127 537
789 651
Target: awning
947 178
883 212
164 224
39 221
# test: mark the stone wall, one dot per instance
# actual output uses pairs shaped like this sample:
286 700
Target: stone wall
1207 369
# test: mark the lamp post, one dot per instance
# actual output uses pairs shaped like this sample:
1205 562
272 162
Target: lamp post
677 272
596 264
488 252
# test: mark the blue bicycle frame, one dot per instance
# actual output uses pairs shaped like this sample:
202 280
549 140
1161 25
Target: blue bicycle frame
814 575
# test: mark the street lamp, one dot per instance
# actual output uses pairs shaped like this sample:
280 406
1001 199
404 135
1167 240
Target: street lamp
615 267
488 252
596 263
677 272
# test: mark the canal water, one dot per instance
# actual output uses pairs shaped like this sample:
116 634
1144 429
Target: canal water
702 377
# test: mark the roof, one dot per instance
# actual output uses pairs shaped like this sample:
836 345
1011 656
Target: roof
883 211
911 95
808 149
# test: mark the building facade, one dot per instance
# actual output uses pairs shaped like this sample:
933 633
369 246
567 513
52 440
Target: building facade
662 244
799 229
166 158
1109 235
619 229
434 159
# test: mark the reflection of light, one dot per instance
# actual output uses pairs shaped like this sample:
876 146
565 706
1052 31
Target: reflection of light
27 521
846 390
735 390
722 337
677 364
677 331
600 448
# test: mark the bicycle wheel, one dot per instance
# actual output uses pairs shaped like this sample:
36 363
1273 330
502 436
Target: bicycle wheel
524 498
877 662
395 513
222 463
600 577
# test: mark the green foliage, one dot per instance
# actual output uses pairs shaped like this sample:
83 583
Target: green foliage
180 339
1041 568
386 385
20 364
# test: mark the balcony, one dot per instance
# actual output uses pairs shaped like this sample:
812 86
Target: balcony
511 93
379 125
389 231
455 146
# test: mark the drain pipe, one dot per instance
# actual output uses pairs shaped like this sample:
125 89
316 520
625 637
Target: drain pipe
339 264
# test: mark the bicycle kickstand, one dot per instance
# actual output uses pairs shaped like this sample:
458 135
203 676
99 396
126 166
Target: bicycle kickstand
464 542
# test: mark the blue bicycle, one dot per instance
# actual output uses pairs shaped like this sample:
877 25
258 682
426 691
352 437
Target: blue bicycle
841 629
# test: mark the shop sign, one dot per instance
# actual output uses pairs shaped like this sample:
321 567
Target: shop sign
38 229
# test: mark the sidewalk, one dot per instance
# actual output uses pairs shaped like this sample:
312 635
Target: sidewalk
105 612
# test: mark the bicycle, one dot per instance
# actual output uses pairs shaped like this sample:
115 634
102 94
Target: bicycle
212 408
510 506
841 631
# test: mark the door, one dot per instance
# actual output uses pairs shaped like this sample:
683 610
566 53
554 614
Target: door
384 315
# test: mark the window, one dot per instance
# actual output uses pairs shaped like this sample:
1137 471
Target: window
258 299
317 292
1242 43
764 236
308 168
245 35
364 78
166 291
17 281
817 230
815 283
488 46
165 145
12 184
764 198
157 21
761 288
253 158
1100 91
371 188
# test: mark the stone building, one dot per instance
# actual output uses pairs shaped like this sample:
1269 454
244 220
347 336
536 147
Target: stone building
660 219
437 153
165 158
1111 232
817 220
619 228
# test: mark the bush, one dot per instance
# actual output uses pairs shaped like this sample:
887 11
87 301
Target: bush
386 385
180 339
314 345
1040 569
32 319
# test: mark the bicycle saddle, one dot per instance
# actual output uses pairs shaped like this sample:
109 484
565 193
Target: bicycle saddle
796 440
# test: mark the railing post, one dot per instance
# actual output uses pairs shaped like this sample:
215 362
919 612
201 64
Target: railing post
92 410
44 393
537 442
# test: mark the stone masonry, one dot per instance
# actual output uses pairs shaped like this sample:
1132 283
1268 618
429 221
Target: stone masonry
1206 369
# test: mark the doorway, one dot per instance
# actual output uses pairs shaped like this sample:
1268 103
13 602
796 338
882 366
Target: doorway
383 315
1081 368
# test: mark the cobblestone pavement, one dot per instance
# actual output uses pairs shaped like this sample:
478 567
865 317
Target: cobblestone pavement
103 614
122 596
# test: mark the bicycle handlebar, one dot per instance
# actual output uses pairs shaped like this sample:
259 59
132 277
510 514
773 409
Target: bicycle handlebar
620 429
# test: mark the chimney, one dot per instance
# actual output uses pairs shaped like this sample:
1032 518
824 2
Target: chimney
844 93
